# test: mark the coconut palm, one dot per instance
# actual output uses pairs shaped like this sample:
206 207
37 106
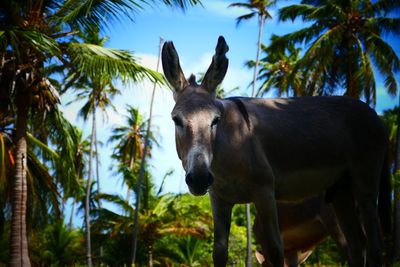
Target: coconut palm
130 138
258 8
135 140
343 40
60 246
129 148
277 71
31 34
42 185
163 217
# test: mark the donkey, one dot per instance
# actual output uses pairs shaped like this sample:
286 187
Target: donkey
244 150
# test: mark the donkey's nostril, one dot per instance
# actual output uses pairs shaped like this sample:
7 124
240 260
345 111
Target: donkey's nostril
189 179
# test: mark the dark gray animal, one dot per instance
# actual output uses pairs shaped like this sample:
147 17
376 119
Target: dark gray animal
245 150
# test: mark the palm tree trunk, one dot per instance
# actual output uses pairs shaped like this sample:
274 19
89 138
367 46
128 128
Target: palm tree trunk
71 217
88 186
253 94
142 165
97 168
260 29
249 250
19 254
150 252
131 162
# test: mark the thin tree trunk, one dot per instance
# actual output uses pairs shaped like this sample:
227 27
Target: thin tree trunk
19 254
71 217
131 162
98 183
249 250
253 94
260 29
97 167
150 252
142 166
88 185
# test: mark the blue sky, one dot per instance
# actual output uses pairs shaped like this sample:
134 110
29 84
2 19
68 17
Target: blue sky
194 34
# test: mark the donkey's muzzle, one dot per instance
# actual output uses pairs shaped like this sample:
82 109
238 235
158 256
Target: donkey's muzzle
198 184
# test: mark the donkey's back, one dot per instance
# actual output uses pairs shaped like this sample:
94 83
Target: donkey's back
309 138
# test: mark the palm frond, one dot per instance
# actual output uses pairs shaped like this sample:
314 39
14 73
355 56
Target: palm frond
384 55
117 200
384 25
42 184
296 11
391 84
182 4
34 142
85 14
36 40
242 5
385 6
245 17
96 61
303 35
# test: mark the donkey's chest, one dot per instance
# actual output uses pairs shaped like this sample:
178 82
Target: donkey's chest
233 188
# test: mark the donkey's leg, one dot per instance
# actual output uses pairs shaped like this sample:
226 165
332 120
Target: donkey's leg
344 206
366 188
329 220
266 209
222 212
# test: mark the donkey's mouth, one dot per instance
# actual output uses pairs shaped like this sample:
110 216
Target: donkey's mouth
198 186
198 192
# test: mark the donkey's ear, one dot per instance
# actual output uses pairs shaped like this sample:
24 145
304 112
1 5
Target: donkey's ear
172 69
219 65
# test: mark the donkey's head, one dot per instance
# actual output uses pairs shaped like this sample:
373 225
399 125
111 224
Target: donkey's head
196 114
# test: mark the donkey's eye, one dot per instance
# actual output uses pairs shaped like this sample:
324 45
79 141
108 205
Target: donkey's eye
215 122
178 121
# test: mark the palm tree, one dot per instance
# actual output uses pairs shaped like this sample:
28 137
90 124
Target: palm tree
279 71
142 170
257 8
42 185
129 149
343 40
60 246
164 216
130 139
32 33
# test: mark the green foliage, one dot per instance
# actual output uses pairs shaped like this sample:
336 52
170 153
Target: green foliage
327 254
60 246
345 43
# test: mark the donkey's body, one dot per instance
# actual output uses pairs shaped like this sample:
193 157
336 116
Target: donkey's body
301 146
262 150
